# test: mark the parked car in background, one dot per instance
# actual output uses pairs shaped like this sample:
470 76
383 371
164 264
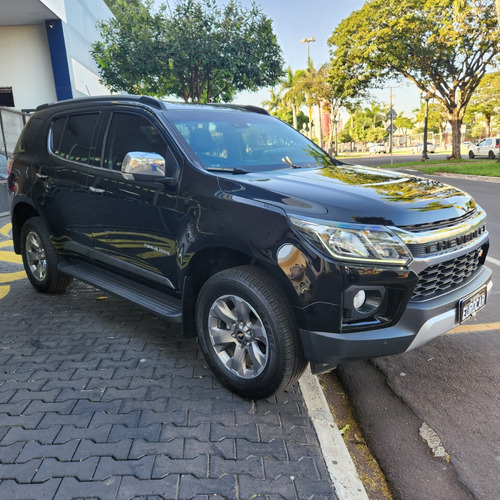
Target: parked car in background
378 148
488 148
3 165
431 148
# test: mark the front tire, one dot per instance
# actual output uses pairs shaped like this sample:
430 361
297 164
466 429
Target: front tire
40 258
248 334
471 155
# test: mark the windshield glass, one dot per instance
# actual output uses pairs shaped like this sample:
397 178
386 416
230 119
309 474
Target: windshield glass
248 141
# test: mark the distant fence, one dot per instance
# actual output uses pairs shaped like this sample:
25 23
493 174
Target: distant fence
11 126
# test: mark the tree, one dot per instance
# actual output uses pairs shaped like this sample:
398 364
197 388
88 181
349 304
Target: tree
404 125
114 4
436 117
286 115
374 114
197 51
486 99
313 85
421 40
274 102
292 95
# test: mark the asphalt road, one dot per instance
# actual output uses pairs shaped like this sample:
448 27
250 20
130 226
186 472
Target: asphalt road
451 384
376 159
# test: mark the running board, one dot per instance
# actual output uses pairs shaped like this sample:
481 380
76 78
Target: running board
155 301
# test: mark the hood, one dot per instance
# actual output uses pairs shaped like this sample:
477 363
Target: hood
350 193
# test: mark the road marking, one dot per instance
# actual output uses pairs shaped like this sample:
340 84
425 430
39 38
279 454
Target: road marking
10 257
5 230
493 261
482 327
10 277
4 290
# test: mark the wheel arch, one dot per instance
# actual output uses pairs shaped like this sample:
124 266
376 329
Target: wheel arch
211 260
21 212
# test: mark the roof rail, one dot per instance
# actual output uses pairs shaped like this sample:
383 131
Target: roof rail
143 99
245 107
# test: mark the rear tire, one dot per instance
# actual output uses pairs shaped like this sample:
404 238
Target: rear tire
40 258
471 155
248 334
491 155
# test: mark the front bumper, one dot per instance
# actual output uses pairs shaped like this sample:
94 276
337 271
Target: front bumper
420 322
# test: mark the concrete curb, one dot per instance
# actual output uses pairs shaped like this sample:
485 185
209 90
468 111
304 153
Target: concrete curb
342 471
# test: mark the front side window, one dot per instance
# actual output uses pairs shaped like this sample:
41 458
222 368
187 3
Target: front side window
249 141
130 132
71 137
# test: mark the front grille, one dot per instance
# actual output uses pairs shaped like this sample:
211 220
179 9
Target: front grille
449 274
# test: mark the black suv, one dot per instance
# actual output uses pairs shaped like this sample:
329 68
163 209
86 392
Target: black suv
228 220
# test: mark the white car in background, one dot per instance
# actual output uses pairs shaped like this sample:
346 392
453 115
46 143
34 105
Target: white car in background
378 148
489 147
431 148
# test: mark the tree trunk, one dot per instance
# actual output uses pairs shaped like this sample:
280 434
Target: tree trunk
456 124
294 115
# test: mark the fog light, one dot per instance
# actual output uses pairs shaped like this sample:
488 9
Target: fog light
359 300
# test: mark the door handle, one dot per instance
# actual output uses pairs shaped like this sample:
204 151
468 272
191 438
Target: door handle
41 176
96 190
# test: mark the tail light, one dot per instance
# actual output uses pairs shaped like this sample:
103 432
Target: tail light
10 161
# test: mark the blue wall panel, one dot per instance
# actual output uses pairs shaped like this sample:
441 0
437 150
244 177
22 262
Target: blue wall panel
59 59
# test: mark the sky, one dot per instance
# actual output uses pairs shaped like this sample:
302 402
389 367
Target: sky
294 20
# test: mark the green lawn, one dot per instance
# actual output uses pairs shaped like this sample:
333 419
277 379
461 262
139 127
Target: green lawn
490 168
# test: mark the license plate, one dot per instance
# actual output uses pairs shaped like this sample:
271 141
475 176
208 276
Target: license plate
469 306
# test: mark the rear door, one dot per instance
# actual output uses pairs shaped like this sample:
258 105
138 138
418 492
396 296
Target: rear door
60 176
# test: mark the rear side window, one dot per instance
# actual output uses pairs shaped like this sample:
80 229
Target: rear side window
72 137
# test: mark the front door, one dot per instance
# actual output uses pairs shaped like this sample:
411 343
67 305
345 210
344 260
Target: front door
133 222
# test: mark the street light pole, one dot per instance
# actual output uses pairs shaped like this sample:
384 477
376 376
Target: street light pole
426 98
308 41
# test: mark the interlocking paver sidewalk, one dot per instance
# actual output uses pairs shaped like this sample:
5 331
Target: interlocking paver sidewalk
99 399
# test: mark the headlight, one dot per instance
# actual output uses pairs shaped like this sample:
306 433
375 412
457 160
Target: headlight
355 242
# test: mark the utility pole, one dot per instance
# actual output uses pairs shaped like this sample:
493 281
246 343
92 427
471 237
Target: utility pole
391 114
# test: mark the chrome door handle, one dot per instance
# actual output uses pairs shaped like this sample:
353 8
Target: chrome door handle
96 190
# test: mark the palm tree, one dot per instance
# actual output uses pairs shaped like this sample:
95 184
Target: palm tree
274 102
314 85
292 94
374 114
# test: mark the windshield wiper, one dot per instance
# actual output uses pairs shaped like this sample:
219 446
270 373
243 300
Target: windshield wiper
287 160
230 170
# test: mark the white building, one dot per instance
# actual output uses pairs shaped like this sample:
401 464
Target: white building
45 50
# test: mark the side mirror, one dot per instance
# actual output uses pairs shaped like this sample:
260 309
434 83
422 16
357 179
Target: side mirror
143 164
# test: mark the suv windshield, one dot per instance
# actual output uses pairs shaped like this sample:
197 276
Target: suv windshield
250 142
